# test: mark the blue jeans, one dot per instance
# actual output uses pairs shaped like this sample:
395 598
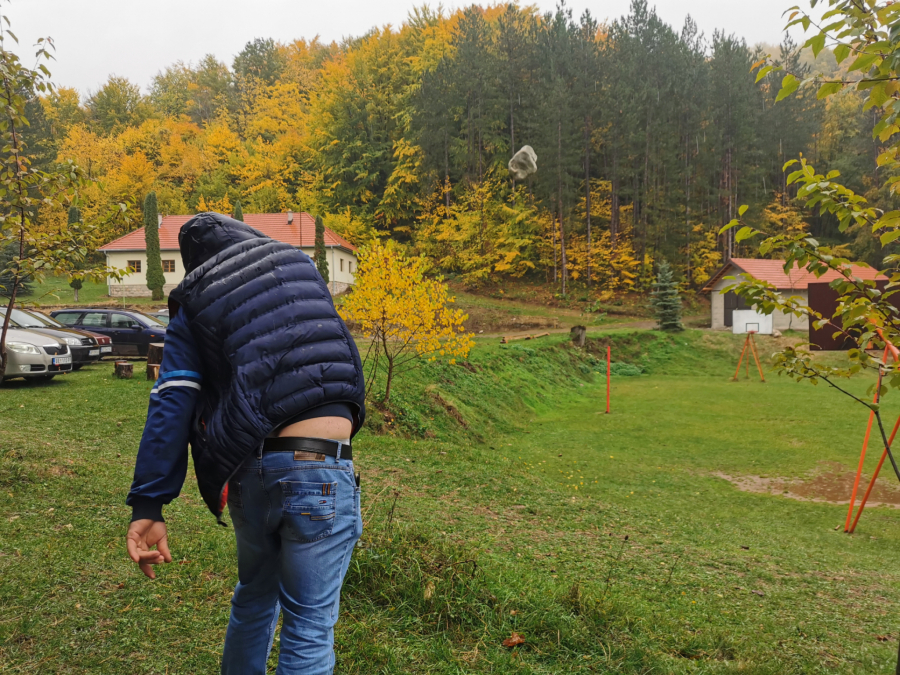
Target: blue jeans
296 522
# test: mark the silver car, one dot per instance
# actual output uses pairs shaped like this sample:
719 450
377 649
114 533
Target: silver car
34 355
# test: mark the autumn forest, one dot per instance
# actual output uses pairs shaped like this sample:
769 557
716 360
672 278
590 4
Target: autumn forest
648 139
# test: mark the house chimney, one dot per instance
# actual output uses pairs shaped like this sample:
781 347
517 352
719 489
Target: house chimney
159 219
290 217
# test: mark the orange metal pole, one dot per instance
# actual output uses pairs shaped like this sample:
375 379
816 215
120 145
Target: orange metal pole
608 361
865 498
862 505
738 371
862 454
756 356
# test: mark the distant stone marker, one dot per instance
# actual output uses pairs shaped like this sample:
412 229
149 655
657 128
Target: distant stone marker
523 163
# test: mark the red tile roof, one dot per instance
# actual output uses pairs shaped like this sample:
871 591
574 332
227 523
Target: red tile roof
773 272
300 233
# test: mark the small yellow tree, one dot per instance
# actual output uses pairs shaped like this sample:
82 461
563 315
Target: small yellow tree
405 314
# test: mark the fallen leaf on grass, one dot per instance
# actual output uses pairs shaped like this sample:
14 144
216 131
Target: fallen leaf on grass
882 638
759 593
514 640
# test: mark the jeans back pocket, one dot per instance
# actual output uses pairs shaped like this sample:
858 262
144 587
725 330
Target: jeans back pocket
308 509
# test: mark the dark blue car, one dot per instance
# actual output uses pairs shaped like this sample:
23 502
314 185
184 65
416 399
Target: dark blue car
131 332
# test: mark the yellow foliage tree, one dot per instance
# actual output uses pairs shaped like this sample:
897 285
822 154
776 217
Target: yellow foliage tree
406 315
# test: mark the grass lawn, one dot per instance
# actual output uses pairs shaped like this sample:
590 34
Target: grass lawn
497 498
56 292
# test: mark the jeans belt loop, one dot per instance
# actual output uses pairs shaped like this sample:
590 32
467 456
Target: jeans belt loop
338 456
259 450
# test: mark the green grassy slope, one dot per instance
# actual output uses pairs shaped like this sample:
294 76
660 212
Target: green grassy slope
475 528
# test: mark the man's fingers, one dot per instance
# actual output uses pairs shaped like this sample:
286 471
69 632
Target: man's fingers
150 557
132 546
163 546
147 569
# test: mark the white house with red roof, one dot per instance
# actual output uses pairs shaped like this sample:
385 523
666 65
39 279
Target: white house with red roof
794 282
297 229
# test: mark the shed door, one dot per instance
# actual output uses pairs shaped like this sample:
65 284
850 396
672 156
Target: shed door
733 302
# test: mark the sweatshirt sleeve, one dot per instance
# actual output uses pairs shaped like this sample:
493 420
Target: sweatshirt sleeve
161 464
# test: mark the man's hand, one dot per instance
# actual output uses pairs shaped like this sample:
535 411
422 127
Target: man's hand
142 536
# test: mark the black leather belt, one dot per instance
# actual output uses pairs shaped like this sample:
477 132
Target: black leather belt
311 449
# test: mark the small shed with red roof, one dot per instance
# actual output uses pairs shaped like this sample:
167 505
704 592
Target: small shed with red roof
297 229
795 281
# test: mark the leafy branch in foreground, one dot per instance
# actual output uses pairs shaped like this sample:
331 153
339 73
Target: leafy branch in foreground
25 190
865 315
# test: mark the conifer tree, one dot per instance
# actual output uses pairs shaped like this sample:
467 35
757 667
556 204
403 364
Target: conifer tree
155 278
665 300
75 217
321 255
238 212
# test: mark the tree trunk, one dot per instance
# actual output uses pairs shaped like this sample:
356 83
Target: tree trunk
390 378
152 372
577 334
562 232
587 192
76 295
17 280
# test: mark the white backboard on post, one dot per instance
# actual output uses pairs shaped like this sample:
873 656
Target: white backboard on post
747 320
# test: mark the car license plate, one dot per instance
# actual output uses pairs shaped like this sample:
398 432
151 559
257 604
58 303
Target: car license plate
94 352
105 350
61 360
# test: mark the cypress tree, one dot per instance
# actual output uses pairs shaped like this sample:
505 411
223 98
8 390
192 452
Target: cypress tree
75 217
156 280
665 300
321 255
238 212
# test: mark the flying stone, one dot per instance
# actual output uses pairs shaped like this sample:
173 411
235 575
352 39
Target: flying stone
523 163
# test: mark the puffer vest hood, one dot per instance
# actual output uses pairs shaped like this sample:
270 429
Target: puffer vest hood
271 343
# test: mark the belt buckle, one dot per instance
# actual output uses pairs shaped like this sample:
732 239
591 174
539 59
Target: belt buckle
308 456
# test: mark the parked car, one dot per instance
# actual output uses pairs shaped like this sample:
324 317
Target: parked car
103 340
162 317
83 347
131 332
32 355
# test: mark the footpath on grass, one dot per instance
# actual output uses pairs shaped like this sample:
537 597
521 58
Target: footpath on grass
501 505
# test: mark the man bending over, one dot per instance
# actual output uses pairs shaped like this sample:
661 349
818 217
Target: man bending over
261 378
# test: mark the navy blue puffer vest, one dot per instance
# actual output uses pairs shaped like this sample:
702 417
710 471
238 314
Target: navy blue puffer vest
271 342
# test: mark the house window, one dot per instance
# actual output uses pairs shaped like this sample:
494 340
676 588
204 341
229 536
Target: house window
350 266
342 264
168 265
135 266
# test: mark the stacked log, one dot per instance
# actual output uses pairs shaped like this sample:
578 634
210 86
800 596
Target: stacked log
154 360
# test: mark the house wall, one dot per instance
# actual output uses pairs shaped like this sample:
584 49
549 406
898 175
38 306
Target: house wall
780 320
135 285
341 268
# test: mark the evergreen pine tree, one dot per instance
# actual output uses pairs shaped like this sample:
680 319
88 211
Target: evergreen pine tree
156 280
238 212
665 300
321 255
75 217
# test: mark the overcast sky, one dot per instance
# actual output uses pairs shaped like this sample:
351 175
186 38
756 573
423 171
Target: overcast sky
137 38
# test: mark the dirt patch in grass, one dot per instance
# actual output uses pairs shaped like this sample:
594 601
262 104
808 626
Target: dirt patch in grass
490 320
832 484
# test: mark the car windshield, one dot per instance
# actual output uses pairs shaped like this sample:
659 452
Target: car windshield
23 319
44 319
154 323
